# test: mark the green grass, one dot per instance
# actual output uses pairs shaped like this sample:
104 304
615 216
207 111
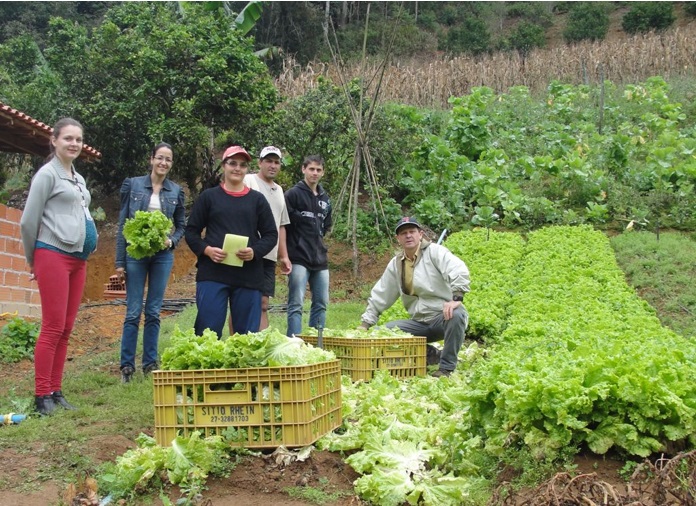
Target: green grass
321 494
663 273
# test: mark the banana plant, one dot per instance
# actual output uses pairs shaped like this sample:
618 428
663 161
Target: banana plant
243 23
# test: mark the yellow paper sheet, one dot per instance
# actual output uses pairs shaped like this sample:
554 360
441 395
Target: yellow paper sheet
232 244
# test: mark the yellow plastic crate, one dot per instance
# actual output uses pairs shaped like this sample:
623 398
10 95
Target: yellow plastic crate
262 407
404 357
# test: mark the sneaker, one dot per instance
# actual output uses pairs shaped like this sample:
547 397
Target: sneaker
441 373
59 400
432 355
127 374
147 369
44 404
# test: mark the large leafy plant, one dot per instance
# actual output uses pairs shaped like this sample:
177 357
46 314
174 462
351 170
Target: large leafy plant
17 340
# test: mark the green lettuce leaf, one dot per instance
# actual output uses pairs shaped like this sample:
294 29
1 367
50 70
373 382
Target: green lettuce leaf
146 233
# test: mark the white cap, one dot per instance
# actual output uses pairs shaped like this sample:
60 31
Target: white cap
270 150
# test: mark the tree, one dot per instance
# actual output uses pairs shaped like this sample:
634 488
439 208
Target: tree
472 36
148 74
587 21
646 16
27 83
295 27
31 18
527 36
21 56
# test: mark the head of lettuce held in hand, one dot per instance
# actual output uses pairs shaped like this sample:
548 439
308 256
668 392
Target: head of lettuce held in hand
146 233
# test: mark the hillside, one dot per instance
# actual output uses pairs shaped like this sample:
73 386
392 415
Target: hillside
429 78
554 35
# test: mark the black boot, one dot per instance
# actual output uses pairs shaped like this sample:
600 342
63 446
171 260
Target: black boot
127 374
147 369
45 405
433 355
59 400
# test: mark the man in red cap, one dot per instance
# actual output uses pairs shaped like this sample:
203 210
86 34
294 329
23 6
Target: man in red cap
230 208
431 282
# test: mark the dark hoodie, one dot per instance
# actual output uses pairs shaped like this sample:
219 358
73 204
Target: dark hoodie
310 221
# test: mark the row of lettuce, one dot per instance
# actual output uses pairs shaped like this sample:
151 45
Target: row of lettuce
574 360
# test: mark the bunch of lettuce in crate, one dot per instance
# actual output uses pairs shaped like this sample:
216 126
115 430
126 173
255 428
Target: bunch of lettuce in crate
375 332
268 348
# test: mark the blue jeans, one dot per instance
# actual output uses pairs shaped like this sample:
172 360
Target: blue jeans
212 299
155 270
452 331
297 285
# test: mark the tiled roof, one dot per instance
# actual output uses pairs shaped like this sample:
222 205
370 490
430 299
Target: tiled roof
20 133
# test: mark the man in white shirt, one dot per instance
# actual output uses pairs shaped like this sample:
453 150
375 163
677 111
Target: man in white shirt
264 181
431 282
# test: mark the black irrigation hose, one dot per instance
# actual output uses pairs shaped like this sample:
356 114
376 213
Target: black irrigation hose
177 305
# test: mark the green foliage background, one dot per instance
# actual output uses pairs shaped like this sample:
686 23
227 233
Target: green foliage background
587 21
185 74
646 16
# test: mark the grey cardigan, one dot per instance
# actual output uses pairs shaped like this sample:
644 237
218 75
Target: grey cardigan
54 213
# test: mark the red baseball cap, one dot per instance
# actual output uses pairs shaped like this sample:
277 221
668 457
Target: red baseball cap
235 150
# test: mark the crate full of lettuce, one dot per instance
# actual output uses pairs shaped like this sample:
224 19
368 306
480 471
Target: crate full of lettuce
362 352
259 390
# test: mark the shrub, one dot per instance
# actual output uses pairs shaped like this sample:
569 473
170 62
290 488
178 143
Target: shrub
587 21
533 12
410 40
690 8
427 21
472 36
17 340
646 16
448 15
527 36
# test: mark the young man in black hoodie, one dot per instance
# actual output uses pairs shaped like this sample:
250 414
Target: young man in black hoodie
309 209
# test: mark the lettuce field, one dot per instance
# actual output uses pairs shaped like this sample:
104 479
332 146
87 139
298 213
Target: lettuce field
564 358
571 360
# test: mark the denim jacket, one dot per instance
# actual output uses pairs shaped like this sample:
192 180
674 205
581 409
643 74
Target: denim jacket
135 196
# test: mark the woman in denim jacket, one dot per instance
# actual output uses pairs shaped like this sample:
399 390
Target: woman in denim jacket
153 192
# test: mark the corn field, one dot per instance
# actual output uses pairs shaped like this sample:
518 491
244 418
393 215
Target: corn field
431 83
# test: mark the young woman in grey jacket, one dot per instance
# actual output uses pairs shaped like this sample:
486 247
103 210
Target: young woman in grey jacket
58 234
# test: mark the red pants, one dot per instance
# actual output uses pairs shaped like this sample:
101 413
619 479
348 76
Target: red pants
61 280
